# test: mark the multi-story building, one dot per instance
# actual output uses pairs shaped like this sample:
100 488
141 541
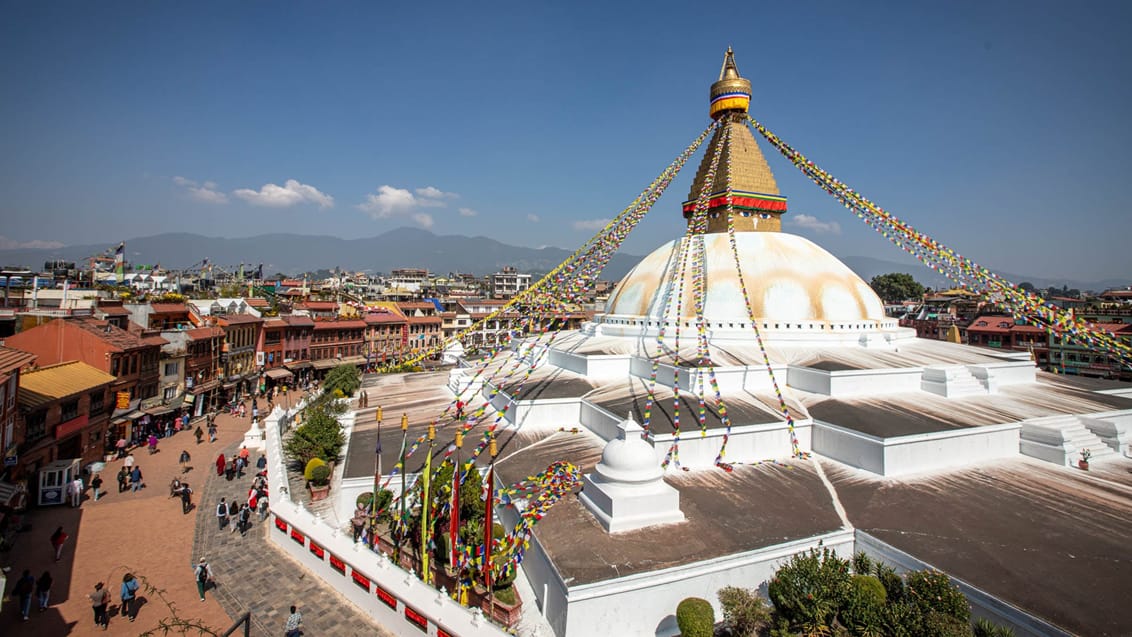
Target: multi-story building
319 309
241 336
12 361
1069 357
424 325
297 346
66 410
387 332
408 279
1003 332
131 358
203 371
269 352
335 343
508 283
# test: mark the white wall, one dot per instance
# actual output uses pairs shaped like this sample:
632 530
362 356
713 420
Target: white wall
916 453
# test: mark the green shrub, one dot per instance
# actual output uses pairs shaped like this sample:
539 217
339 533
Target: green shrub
893 584
934 591
987 628
320 435
320 475
364 500
745 613
901 619
862 612
695 618
810 589
862 564
308 471
343 380
940 624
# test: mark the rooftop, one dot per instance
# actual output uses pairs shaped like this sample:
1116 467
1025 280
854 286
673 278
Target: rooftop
48 384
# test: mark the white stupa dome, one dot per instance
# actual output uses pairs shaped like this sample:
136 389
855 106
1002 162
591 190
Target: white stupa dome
792 283
628 459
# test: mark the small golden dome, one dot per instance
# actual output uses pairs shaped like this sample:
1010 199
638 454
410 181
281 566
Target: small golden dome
731 93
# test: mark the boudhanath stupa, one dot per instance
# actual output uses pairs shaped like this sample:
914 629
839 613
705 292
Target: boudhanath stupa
840 429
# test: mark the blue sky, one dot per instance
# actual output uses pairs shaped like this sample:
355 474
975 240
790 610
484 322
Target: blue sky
999 128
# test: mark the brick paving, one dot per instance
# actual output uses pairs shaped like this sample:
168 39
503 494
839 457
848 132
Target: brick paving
146 533
253 575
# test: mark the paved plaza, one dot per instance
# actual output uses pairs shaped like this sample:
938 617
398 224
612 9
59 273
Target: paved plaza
146 533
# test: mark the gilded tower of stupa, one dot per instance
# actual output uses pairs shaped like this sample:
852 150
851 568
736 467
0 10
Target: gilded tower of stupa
743 186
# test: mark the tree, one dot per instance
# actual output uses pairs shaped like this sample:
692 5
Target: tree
320 435
1026 286
343 377
896 286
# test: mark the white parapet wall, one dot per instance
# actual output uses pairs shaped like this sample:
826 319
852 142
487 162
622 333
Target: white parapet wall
916 453
393 597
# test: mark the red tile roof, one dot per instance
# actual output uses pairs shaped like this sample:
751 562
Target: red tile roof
257 302
236 319
383 317
425 319
298 320
319 305
13 359
115 336
202 333
169 308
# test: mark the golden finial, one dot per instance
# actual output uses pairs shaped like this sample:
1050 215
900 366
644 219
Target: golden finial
431 431
459 438
404 422
731 92
378 413
491 448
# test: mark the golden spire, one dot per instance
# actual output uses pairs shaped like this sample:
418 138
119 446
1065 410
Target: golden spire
743 188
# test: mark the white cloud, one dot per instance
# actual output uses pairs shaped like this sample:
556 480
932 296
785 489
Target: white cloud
591 224
390 202
430 196
291 193
206 192
810 222
533 218
35 244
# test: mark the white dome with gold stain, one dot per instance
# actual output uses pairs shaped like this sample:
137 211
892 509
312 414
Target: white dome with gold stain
793 285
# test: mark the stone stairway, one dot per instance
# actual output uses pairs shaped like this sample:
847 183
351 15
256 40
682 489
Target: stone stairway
1060 440
951 381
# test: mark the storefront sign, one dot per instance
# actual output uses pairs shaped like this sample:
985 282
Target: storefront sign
122 400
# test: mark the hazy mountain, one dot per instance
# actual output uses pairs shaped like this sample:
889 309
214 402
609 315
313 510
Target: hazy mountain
410 248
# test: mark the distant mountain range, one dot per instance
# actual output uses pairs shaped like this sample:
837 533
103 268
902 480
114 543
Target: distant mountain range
409 248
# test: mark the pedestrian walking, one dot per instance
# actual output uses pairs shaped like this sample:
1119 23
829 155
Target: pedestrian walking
43 590
245 519
136 478
99 601
459 410
128 594
120 446
129 461
75 491
230 470
186 499
57 540
261 464
220 464
358 522
203 576
222 514
123 479
212 432
244 454
152 443
234 514
185 420
261 507
199 433
96 485
294 621
25 586
185 460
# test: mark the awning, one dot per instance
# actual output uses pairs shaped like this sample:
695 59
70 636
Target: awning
353 360
231 384
160 410
128 411
207 386
326 363
278 374
298 365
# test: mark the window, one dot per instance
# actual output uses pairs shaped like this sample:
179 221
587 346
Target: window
97 402
170 369
170 392
70 410
35 425
114 362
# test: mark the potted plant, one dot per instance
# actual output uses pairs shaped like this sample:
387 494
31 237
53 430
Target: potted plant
1083 463
320 482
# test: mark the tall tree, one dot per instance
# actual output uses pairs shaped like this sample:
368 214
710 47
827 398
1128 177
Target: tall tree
896 286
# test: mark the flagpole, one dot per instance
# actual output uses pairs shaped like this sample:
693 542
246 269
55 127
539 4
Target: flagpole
376 484
489 531
425 505
401 520
454 515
